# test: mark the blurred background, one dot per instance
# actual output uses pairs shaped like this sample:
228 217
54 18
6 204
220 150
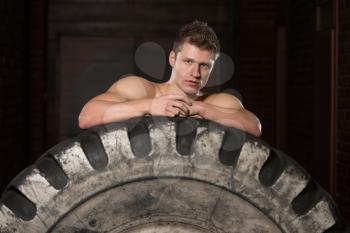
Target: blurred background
291 66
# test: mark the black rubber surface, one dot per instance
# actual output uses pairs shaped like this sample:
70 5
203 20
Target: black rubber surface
19 204
94 150
231 146
186 130
52 172
139 138
272 169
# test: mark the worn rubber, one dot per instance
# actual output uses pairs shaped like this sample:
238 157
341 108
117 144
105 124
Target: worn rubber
156 174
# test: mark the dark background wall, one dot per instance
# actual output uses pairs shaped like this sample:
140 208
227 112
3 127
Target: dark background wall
91 44
291 59
310 91
343 124
300 83
13 92
255 60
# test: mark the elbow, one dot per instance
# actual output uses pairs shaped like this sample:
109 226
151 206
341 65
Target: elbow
256 130
84 121
83 124
255 127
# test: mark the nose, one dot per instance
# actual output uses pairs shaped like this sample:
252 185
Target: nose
195 71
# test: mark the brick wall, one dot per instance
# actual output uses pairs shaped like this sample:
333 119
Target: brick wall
343 134
13 80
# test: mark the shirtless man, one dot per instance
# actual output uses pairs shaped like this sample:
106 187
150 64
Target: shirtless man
195 50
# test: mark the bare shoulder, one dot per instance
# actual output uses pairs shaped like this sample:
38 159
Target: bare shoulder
133 87
223 100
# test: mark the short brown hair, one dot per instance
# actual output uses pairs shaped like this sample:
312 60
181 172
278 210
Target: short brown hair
197 33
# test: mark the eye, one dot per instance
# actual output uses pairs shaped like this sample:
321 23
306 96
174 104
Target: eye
205 66
188 62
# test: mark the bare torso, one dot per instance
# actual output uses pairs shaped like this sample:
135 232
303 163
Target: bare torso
135 96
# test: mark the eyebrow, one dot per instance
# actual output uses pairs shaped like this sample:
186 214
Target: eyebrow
200 63
205 63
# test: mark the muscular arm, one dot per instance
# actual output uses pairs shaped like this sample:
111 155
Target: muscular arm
102 112
228 110
126 98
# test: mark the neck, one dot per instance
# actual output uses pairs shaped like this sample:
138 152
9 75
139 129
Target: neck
170 87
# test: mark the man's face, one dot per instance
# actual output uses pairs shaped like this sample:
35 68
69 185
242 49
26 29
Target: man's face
191 67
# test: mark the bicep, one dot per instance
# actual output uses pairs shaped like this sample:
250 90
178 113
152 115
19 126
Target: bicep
128 88
109 97
224 100
132 87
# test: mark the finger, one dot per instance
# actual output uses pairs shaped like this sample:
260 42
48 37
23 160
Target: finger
173 110
172 113
181 111
197 116
182 106
177 104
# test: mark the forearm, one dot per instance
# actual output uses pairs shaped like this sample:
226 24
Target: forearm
237 118
102 112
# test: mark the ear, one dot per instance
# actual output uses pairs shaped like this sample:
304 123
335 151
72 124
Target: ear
172 58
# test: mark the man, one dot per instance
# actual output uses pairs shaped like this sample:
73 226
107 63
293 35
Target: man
195 50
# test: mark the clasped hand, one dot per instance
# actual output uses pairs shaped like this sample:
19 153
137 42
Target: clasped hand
174 105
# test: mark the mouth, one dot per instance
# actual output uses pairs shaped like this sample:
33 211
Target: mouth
192 83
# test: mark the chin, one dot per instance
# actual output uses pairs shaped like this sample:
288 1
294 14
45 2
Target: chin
190 91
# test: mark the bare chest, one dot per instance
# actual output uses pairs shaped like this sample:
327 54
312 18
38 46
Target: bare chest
161 89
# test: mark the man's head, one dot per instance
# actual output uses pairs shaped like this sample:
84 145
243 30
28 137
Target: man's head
195 50
199 34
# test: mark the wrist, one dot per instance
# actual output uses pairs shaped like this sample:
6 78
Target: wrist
145 106
199 108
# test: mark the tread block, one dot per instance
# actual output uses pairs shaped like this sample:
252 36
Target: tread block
319 218
291 182
20 205
94 150
72 159
272 169
186 130
231 146
52 172
252 158
140 140
307 199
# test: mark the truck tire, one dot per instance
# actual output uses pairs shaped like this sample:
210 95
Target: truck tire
159 174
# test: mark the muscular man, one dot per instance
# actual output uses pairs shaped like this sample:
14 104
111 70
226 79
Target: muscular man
195 50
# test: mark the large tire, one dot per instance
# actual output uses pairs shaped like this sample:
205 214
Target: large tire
166 175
